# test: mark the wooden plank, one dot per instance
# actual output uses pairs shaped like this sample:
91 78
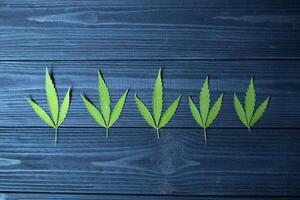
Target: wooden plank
135 29
134 161
33 196
279 79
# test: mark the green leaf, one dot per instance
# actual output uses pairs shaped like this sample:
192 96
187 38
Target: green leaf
156 121
204 101
145 112
250 101
94 112
169 113
259 112
105 118
195 112
213 113
52 98
246 114
118 109
157 98
206 116
240 110
64 109
104 98
41 113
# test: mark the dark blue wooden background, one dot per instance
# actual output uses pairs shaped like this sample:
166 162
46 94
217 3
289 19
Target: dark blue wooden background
229 40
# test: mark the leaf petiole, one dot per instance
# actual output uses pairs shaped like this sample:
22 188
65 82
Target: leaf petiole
105 117
158 119
58 115
247 114
205 136
205 115
56 136
157 133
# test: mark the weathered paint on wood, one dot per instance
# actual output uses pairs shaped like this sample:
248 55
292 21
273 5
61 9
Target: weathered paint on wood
33 196
129 40
85 30
134 161
280 80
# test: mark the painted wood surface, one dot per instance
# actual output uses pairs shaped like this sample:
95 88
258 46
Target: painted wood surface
14 196
129 40
134 161
131 29
280 80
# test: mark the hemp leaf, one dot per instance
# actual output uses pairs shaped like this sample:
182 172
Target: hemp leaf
247 116
158 120
104 117
206 116
57 116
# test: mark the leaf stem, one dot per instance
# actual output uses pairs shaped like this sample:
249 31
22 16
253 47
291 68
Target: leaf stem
205 137
249 129
55 137
157 133
107 132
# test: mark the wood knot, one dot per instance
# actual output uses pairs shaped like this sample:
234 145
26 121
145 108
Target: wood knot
166 188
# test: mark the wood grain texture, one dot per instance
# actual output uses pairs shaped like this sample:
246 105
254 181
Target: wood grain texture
131 29
31 196
134 161
129 40
279 79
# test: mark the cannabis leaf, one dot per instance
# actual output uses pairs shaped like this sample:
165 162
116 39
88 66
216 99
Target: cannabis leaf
158 120
247 116
57 116
104 117
206 116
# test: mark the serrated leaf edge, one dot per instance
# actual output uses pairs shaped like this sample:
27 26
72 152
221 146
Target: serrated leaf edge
124 95
204 101
250 101
175 103
99 118
157 98
195 112
147 116
210 118
263 105
104 98
66 102
48 121
52 97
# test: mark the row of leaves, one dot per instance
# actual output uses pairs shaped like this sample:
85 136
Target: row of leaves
204 115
